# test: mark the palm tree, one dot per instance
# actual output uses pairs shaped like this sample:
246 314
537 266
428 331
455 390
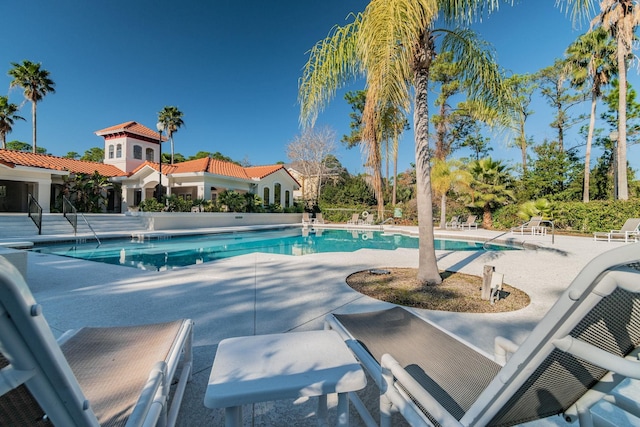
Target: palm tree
592 62
36 84
620 18
490 187
448 175
392 43
171 117
7 117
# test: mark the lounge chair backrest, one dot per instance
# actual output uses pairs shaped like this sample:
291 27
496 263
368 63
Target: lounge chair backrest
534 221
305 217
471 219
35 357
631 224
599 310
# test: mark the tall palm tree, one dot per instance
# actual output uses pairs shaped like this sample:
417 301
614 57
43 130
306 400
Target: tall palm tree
592 61
171 117
7 117
36 84
392 43
620 18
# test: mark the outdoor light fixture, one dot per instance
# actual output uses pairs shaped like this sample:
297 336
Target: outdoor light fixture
159 189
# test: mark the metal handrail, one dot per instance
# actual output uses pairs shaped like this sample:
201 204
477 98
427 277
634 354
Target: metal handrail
71 213
484 245
36 216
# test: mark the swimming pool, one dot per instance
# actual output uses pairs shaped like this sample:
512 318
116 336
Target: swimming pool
179 251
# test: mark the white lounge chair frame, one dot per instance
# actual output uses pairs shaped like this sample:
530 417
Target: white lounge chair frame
530 227
454 223
629 232
470 222
606 274
37 361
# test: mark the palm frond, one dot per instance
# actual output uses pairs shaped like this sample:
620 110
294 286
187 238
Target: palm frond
332 62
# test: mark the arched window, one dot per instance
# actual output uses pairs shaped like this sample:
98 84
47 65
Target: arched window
277 193
149 157
137 152
111 151
118 151
265 196
287 199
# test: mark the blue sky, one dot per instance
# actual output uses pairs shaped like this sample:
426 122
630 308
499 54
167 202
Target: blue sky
231 66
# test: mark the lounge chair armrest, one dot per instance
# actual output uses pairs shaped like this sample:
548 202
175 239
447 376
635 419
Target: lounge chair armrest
502 347
426 400
599 357
147 397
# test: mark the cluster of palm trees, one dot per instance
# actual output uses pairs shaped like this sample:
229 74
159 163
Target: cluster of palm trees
36 83
392 44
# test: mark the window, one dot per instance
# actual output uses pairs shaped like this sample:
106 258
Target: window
111 151
287 201
149 157
265 197
118 151
137 152
277 193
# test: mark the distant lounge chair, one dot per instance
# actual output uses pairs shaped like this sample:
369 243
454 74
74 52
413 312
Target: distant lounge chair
628 232
91 377
355 219
454 223
318 219
470 222
530 227
305 218
368 220
585 346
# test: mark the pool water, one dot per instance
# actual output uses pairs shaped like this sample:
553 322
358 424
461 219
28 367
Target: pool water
179 251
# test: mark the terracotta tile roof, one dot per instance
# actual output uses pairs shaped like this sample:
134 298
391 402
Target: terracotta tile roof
262 171
13 158
132 128
216 167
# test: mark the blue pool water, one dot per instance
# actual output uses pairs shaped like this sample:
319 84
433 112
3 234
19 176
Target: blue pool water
180 251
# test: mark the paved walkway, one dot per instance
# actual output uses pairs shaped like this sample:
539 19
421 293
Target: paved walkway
266 293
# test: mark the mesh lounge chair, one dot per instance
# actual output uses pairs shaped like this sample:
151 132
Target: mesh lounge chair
530 227
355 219
470 222
583 347
305 218
96 376
454 223
318 219
628 232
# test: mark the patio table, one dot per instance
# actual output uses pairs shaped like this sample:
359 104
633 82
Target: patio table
264 368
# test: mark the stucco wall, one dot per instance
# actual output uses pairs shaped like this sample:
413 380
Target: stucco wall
186 220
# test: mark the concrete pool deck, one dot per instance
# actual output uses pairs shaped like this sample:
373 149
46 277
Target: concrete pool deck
266 293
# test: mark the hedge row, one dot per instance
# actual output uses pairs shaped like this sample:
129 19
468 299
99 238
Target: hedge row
599 215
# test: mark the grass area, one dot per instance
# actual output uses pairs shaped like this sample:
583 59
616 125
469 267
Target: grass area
458 292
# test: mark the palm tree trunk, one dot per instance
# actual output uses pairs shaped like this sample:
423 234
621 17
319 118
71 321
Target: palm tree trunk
395 167
622 123
33 118
428 273
171 148
443 210
487 219
587 154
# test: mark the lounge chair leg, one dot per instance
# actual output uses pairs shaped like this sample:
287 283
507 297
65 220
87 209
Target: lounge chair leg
233 416
386 409
343 409
322 410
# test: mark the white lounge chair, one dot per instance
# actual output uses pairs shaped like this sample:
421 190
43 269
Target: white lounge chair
470 222
306 219
318 219
454 223
90 377
588 340
628 232
355 219
533 226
